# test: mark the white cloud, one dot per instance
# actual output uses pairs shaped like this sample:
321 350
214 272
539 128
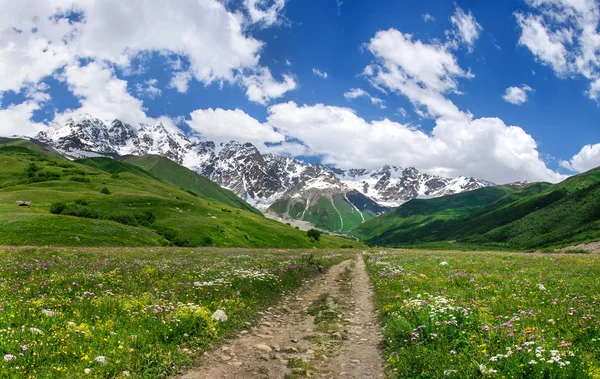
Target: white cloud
428 18
587 159
319 73
181 81
459 144
563 34
16 120
486 148
36 38
466 29
422 72
261 13
148 88
262 87
517 95
101 94
548 48
221 125
355 93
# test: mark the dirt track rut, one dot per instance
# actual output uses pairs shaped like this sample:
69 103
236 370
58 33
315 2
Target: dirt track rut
326 329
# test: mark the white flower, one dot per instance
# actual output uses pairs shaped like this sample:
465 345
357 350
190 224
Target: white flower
71 324
87 371
9 357
541 287
444 263
126 373
35 331
219 315
48 312
532 362
101 359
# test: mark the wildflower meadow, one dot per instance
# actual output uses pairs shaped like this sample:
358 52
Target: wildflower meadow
67 313
492 315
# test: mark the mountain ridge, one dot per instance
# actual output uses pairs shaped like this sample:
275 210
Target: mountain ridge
260 179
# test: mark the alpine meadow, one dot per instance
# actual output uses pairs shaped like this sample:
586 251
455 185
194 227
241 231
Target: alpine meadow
287 189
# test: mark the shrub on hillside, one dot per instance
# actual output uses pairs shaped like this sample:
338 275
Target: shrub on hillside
81 211
173 236
133 219
80 179
32 169
58 208
314 234
105 191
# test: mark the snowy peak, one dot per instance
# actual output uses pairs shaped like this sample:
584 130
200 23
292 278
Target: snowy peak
259 179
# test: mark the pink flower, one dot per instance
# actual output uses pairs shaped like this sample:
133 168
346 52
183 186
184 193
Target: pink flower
24 348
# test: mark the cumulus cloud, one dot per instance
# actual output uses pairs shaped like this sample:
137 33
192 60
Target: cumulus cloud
262 87
426 73
265 12
148 88
587 159
101 94
517 95
319 73
485 148
562 34
16 119
221 125
465 30
355 93
41 38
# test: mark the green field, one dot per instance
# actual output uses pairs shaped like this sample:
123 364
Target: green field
140 208
538 216
145 312
497 315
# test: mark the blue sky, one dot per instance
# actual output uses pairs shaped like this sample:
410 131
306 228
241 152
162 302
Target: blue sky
323 80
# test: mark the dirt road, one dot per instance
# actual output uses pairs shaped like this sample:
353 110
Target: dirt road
327 329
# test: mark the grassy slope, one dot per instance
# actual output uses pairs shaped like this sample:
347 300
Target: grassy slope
418 213
188 180
322 212
195 218
541 215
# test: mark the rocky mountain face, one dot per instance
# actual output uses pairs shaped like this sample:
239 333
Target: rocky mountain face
268 181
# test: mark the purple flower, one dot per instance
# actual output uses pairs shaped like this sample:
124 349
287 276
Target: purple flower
24 348
485 328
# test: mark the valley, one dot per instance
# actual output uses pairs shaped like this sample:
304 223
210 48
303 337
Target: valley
329 198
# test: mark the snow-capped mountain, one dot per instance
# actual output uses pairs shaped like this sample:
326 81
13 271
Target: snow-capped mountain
260 179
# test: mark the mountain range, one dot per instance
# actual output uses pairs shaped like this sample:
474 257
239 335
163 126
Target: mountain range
330 198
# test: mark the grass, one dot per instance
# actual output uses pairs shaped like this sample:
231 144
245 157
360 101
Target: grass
188 180
194 220
469 315
146 313
329 212
536 217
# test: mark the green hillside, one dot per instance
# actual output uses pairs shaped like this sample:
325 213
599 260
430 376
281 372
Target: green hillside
328 212
118 204
537 216
419 213
188 180
16 145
